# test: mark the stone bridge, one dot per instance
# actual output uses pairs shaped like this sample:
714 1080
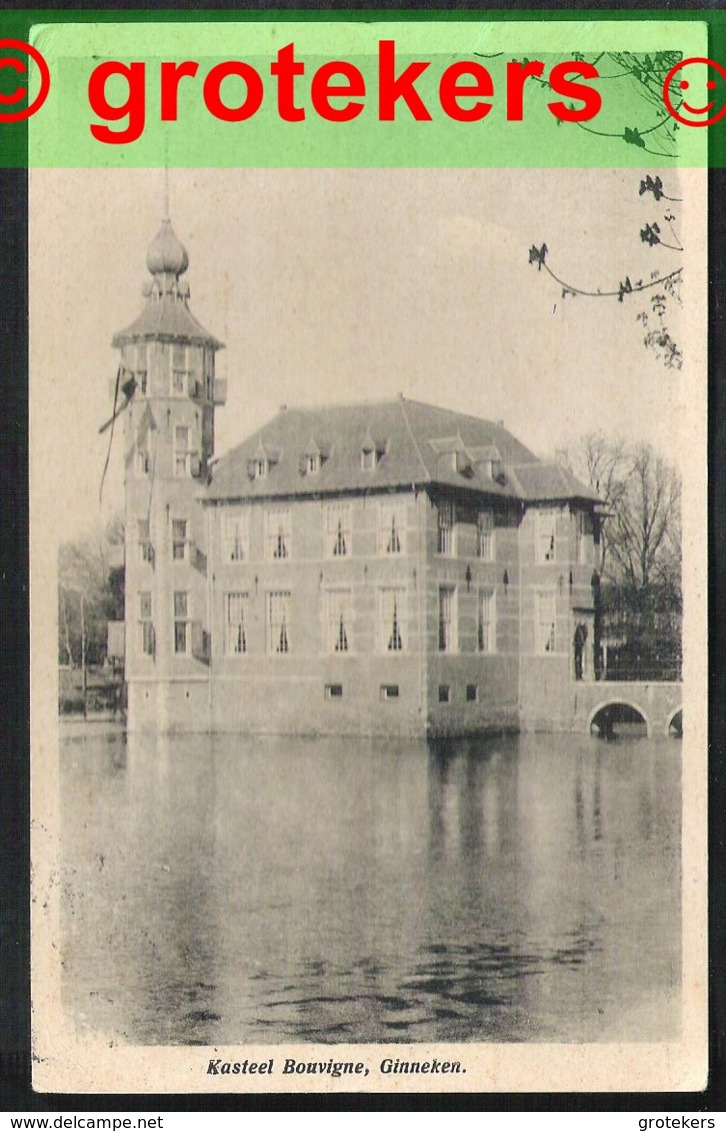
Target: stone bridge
659 704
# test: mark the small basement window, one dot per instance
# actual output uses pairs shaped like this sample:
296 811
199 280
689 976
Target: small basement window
389 691
472 693
444 693
333 690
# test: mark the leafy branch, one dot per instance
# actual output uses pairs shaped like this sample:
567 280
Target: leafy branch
539 256
645 75
653 318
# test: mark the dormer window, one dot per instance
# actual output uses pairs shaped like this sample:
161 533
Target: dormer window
371 456
487 461
461 463
452 453
372 450
261 462
313 458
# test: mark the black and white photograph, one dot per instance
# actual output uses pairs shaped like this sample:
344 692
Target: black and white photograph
368 552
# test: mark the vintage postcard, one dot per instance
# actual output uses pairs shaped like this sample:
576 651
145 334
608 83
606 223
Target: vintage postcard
368 558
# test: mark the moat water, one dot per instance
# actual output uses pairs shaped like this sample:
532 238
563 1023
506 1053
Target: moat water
225 890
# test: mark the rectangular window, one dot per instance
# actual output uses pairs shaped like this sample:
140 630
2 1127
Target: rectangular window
236 536
389 691
146 554
179 539
333 690
546 525
139 366
472 692
446 523
392 529
237 610
584 534
279 539
143 456
485 536
485 636
337 530
444 693
447 618
209 373
179 370
278 624
182 452
146 627
368 459
391 620
546 622
338 620
181 623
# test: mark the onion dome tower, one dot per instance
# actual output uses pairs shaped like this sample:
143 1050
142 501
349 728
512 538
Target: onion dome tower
168 377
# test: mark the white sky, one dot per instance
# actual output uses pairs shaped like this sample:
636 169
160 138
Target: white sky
336 285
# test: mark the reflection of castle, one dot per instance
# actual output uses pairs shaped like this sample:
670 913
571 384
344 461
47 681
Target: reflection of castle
391 568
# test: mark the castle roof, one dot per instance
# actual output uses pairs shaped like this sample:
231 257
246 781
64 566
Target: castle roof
413 444
166 314
549 482
169 317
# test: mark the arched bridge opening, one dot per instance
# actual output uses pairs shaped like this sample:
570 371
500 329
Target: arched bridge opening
675 724
618 717
618 707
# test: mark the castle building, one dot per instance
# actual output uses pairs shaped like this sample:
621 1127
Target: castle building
390 568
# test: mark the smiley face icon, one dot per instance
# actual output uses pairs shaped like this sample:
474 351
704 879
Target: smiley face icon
694 92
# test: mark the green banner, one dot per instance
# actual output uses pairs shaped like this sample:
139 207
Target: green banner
484 90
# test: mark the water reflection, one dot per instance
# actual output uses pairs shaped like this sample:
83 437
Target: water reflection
230 890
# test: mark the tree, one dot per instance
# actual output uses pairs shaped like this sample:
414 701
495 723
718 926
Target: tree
640 544
90 593
81 577
639 576
645 533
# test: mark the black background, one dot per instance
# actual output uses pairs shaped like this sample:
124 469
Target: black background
15 1009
